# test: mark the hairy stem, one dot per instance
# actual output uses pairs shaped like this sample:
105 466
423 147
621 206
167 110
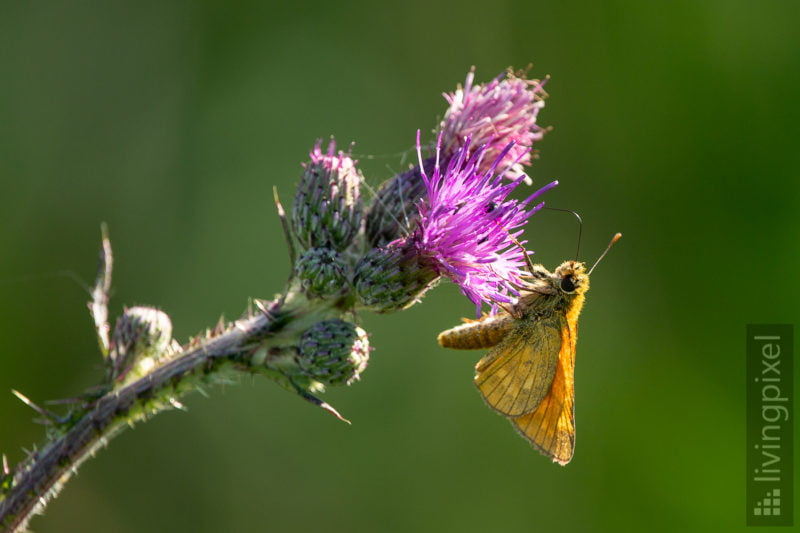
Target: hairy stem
39 478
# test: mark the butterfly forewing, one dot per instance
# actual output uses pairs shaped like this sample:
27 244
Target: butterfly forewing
516 374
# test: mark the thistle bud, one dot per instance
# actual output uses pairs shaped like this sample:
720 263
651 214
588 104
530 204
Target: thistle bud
327 210
394 210
322 273
393 278
142 334
333 352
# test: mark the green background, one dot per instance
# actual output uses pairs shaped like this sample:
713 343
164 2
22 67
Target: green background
675 123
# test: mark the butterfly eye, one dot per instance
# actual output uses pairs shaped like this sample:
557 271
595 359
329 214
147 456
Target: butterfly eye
568 285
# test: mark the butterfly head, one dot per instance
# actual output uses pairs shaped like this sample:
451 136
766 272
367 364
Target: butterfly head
570 278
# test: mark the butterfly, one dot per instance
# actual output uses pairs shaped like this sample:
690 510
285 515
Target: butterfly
528 376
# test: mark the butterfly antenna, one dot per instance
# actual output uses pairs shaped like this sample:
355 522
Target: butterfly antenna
614 240
580 226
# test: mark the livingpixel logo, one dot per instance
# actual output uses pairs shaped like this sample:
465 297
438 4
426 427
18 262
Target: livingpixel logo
770 425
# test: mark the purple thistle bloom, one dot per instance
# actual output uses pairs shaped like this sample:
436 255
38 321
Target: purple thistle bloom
495 114
467 224
329 159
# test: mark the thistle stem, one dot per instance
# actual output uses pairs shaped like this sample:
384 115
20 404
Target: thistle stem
39 478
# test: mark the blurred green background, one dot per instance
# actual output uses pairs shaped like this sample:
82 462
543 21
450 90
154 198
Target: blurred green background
675 124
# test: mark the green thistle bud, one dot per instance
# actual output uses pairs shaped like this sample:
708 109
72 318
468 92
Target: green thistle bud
322 273
394 211
327 210
391 279
333 352
142 335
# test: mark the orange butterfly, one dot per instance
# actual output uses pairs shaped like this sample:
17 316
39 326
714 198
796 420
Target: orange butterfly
528 375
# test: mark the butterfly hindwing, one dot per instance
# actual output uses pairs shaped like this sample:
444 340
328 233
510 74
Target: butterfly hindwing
551 427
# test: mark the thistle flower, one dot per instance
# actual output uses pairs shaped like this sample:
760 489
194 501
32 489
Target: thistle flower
327 210
494 115
468 226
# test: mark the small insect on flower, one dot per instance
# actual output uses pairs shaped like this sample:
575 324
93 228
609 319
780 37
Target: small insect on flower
528 375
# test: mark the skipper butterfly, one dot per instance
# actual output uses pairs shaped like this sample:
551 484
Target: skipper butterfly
528 376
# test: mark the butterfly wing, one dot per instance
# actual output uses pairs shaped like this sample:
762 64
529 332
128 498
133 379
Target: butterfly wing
551 427
515 376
